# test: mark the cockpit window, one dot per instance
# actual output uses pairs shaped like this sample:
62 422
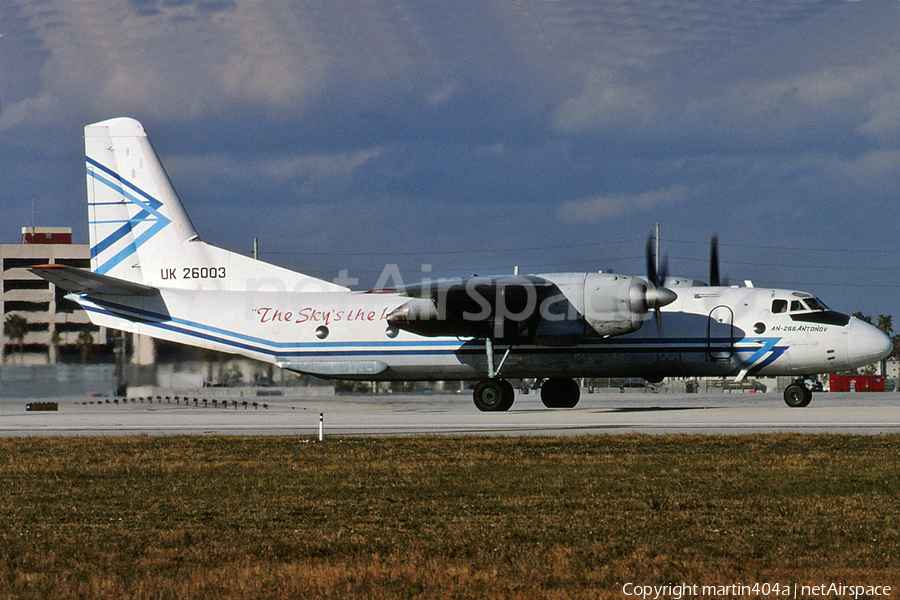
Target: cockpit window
809 310
807 304
815 304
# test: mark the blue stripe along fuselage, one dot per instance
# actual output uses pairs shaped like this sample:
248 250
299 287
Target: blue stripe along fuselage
760 356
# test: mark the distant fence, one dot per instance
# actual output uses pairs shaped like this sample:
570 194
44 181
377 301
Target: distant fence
56 381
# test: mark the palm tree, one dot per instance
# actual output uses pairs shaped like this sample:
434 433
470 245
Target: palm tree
16 328
885 324
85 343
55 341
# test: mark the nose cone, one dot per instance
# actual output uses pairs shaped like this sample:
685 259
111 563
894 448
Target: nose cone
660 296
866 343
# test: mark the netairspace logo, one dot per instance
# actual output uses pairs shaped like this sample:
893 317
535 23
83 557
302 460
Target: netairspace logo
776 590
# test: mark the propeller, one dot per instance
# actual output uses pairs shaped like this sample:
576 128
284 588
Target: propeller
658 295
715 279
714 261
658 279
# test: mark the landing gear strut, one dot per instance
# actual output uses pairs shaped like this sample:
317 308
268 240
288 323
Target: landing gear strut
494 394
797 395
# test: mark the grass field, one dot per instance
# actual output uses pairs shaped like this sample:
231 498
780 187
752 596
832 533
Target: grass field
264 517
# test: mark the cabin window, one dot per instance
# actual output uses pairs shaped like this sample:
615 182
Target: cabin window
779 306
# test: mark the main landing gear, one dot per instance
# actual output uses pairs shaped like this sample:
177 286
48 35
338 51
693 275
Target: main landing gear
797 395
495 394
560 392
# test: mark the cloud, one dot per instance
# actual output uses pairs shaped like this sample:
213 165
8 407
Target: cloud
322 166
177 60
883 105
771 79
863 97
595 209
818 81
275 66
30 111
443 94
607 100
336 166
870 177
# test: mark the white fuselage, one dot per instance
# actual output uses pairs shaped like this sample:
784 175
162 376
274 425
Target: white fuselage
715 331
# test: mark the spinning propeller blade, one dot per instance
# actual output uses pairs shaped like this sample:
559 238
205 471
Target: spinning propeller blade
658 295
657 278
714 261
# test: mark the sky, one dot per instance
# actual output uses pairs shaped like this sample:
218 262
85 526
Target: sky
454 137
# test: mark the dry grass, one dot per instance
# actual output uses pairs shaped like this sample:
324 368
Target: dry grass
263 517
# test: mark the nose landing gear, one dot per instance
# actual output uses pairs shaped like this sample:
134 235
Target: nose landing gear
797 395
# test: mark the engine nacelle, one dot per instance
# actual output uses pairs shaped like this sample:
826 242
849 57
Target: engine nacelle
610 304
613 304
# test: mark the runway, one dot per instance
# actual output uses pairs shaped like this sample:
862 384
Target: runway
454 414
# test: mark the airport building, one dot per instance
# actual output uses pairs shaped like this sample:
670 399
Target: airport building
51 329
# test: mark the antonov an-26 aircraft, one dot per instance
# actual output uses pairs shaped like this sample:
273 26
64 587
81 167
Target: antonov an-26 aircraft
151 274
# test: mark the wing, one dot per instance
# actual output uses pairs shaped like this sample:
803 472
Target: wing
503 308
543 309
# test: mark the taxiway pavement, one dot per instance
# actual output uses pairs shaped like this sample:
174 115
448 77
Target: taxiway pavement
455 414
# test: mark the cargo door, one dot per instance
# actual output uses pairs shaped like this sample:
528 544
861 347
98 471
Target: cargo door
720 334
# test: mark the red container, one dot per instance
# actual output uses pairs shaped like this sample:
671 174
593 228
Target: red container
856 383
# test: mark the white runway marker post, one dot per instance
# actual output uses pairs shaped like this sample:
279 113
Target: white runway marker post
321 426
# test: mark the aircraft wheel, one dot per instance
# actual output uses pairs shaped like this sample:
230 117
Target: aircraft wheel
509 394
560 392
494 395
797 395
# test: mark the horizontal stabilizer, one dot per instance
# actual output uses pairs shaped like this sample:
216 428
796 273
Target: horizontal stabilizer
86 283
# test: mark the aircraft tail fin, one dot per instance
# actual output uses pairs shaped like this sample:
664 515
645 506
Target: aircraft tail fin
140 232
